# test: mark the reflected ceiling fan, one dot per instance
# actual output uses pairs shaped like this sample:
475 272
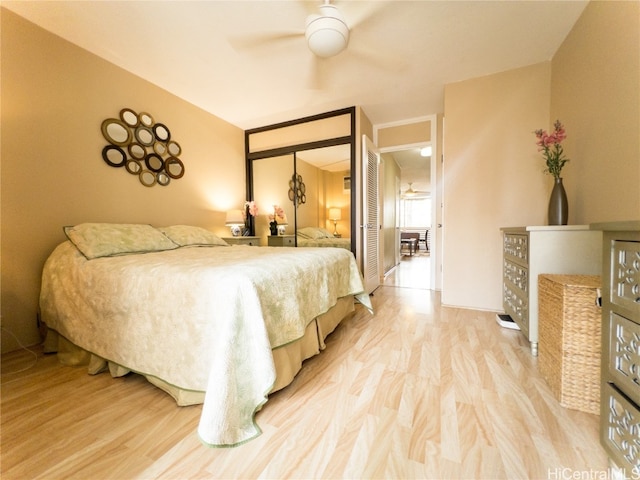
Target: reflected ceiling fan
411 193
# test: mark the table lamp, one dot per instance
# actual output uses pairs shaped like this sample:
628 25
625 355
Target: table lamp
335 214
235 220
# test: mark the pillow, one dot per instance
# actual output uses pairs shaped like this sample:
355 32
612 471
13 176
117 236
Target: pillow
325 232
95 240
186 235
314 233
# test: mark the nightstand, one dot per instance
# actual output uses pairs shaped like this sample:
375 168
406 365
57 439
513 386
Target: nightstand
252 241
282 241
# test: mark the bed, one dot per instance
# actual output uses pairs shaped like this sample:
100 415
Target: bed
207 322
320 237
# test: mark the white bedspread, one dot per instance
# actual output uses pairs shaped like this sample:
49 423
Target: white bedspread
200 318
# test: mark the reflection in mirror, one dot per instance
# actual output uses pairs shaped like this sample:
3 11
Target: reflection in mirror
323 157
136 151
114 155
144 135
160 148
129 117
147 178
161 132
163 179
116 132
174 167
323 171
154 162
133 166
146 119
174 149
270 187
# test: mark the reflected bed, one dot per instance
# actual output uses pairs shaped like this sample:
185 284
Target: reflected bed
320 237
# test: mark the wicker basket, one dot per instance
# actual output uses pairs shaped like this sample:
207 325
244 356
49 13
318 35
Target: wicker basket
569 339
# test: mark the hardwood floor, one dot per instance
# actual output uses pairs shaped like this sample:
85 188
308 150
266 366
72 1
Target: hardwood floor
414 391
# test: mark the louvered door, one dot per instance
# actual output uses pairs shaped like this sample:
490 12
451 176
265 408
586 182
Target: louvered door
370 216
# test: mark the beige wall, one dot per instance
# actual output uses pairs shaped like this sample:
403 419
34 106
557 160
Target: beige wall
493 173
404 134
54 98
337 197
492 177
597 96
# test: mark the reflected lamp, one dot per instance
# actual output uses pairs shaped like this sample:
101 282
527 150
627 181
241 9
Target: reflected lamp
335 214
282 224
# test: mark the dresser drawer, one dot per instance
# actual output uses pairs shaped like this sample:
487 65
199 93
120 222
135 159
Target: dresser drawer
620 431
516 306
625 277
624 356
516 247
517 275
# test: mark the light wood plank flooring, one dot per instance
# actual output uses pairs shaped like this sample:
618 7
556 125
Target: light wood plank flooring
415 391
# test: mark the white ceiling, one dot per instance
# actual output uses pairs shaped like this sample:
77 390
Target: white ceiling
222 56
400 53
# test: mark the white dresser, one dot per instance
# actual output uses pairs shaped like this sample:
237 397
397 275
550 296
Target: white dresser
620 362
534 250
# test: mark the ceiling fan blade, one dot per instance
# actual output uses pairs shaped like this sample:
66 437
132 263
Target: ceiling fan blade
377 58
264 40
357 17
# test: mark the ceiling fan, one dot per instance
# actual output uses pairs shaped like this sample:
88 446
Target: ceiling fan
327 34
411 193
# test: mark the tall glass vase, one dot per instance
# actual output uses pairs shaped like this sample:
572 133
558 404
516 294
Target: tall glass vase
558 204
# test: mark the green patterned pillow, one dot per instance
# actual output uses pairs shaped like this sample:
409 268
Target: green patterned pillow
314 233
186 235
95 240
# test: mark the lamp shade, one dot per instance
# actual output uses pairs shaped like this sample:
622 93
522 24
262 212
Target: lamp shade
335 214
234 217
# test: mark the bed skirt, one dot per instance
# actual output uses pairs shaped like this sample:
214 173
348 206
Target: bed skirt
287 358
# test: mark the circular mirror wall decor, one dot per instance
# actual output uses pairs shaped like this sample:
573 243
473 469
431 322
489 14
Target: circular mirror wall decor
161 132
114 155
163 179
160 148
137 151
129 117
152 154
116 132
174 167
174 148
146 119
147 178
154 162
297 190
144 135
133 166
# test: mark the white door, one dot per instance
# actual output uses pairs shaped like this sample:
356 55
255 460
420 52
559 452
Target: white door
370 216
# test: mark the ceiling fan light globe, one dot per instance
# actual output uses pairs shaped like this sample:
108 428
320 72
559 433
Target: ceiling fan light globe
326 36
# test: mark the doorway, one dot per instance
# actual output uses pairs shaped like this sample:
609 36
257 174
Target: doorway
407 174
407 212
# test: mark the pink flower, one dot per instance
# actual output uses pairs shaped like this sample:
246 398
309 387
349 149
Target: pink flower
551 149
278 214
251 207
